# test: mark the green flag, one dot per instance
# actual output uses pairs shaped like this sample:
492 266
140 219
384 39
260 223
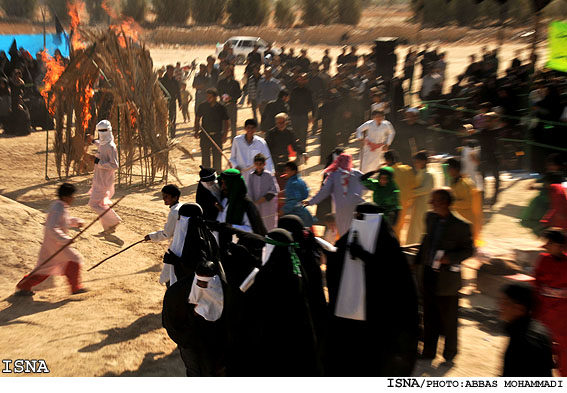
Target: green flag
557 46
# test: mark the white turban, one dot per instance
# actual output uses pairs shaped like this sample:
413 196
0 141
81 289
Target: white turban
104 129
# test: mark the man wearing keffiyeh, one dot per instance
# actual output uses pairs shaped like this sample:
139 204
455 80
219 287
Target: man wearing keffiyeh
344 186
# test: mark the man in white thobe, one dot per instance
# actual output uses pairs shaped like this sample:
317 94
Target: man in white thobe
170 195
245 147
105 165
376 136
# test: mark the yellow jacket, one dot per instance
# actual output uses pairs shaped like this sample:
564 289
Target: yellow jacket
468 203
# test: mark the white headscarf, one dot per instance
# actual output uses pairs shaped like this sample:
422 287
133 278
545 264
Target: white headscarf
104 129
208 301
351 299
213 187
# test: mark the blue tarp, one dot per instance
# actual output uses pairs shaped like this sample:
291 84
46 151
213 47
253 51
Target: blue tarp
33 43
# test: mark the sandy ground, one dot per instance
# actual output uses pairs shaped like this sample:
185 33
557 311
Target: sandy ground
115 328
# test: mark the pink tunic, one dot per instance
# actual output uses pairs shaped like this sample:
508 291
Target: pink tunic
103 179
56 236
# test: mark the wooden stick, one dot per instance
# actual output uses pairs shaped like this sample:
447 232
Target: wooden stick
76 236
115 254
362 143
216 146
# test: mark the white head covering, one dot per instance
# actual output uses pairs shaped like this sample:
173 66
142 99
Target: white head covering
104 129
208 301
351 299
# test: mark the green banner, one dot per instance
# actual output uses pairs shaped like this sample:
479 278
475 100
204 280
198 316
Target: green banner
557 46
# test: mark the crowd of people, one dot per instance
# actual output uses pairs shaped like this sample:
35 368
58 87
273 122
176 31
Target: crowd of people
246 292
22 107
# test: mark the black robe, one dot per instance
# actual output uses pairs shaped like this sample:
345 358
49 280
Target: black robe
270 328
386 343
207 202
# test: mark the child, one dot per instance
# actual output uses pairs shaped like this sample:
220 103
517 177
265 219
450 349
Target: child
185 103
551 285
67 262
386 193
296 191
263 189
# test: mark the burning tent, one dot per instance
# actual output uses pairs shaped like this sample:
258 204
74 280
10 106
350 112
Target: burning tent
111 78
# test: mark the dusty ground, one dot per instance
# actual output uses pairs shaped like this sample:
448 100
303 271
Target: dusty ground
115 328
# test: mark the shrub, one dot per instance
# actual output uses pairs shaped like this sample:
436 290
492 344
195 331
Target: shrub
135 9
19 8
172 11
316 12
349 11
247 12
284 14
207 11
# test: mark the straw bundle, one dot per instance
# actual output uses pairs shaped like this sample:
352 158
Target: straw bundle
120 71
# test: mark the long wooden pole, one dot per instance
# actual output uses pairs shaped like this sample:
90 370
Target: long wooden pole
77 235
47 130
216 146
115 254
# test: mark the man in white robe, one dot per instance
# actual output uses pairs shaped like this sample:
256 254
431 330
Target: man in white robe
376 136
105 165
56 235
245 147
263 190
170 194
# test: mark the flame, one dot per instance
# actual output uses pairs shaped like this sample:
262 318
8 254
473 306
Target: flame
86 103
130 29
54 70
74 9
108 9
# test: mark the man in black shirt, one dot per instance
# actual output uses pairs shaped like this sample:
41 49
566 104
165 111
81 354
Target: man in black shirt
278 139
253 59
529 352
273 108
300 105
303 61
229 90
172 86
215 121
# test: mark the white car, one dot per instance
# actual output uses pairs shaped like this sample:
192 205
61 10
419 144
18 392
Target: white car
243 45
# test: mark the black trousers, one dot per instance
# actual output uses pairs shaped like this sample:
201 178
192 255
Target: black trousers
440 319
202 363
299 123
207 148
172 119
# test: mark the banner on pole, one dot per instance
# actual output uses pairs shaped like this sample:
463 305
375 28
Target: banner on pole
557 41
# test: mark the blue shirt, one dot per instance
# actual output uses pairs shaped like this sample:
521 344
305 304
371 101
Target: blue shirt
296 191
268 90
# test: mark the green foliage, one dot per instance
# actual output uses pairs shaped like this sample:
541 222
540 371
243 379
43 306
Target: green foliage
316 12
172 11
284 14
207 11
349 12
95 10
465 12
135 9
59 7
248 12
19 8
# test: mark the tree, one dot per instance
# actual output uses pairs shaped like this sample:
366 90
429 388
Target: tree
207 11
464 11
135 9
96 12
172 11
283 14
247 12
349 12
59 7
19 8
316 12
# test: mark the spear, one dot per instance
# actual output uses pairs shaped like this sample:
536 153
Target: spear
76 236
115 254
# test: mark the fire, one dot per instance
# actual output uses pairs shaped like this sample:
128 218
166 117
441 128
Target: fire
75 9
108 9
54 70
86 103
130 29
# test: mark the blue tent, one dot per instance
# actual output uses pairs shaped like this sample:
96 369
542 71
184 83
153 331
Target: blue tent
33 43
